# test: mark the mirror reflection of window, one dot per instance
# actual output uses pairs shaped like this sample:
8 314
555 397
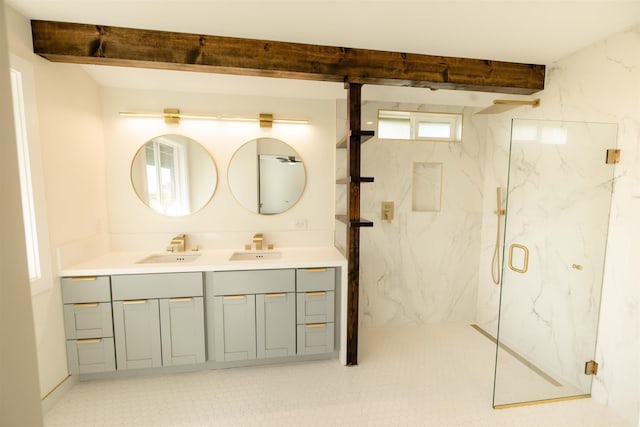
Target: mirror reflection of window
167 176
174 175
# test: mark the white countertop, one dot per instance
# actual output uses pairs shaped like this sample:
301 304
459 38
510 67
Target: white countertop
114 263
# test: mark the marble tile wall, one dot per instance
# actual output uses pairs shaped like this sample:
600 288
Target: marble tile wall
422 267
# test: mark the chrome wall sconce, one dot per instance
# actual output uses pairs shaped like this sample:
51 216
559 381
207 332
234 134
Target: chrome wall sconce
173 116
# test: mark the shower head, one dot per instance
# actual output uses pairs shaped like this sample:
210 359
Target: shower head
502 105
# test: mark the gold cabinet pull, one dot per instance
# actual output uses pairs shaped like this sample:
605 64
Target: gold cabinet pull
278 295
85 305
525 263
316 325
135 301
316 294
185 299
84 278
89 341
577 266
233 296
316 270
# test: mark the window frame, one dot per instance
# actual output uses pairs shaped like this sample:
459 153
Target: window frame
27 125
415 118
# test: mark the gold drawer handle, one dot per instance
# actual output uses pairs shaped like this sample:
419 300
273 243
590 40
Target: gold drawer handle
135 301
279 295
316 270
577 266
86 305
84 278
234 297
316 325
89 341
316 294
185 299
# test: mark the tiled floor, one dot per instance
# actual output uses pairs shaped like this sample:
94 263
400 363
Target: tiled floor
432 376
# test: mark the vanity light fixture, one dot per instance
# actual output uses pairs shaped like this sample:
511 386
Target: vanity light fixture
173 116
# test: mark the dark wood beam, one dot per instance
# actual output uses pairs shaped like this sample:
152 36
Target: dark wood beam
354 107
106 45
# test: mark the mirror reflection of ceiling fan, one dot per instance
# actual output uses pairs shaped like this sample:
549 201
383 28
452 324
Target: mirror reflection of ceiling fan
289 159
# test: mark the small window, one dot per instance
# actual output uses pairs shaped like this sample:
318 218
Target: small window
413 125
29 161
26 187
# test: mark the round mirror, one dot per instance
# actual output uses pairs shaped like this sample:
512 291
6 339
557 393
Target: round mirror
174 175
266 176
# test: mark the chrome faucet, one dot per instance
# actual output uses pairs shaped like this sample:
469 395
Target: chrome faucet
178 243
257 241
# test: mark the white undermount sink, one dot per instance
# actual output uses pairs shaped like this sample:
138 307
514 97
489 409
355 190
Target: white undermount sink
254 255
168 258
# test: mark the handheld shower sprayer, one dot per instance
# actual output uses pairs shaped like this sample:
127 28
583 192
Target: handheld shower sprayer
495 262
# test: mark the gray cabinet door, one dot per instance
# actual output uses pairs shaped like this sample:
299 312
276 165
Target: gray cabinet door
315 307
88 356
88 320
275 324
315 338
85 289
182 330
235 327
137 334
316 279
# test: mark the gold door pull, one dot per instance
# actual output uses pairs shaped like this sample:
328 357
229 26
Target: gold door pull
86 305
134 301
316 325
89 341
84 278
182 299
316 294
525 261
316 270
278 295
577 266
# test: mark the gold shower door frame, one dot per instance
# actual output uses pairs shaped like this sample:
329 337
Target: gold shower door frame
556 225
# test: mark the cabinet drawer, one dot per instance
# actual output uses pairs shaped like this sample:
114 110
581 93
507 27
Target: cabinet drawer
251 282
315 307
169 285
316 279
92 355
88 320
85 289
315 338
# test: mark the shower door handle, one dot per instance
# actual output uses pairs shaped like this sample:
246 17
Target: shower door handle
525 259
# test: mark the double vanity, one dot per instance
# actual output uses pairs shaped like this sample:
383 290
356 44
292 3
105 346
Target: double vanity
136 313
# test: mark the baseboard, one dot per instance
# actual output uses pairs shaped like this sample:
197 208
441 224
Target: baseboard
55 395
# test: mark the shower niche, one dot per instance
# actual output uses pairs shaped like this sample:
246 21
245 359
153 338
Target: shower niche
557 217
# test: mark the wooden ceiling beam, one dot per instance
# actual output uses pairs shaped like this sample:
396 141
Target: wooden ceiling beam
106 45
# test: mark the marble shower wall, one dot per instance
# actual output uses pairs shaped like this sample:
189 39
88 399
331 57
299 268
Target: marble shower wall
423 266
600 83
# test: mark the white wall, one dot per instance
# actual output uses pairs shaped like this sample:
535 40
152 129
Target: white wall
600 83
223 222
71 141
19 393
421 267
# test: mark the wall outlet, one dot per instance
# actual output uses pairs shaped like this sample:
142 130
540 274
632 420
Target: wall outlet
300 224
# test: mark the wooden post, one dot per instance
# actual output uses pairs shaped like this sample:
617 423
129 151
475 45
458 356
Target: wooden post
354 99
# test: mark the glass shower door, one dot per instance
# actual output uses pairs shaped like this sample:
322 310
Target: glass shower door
558 202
